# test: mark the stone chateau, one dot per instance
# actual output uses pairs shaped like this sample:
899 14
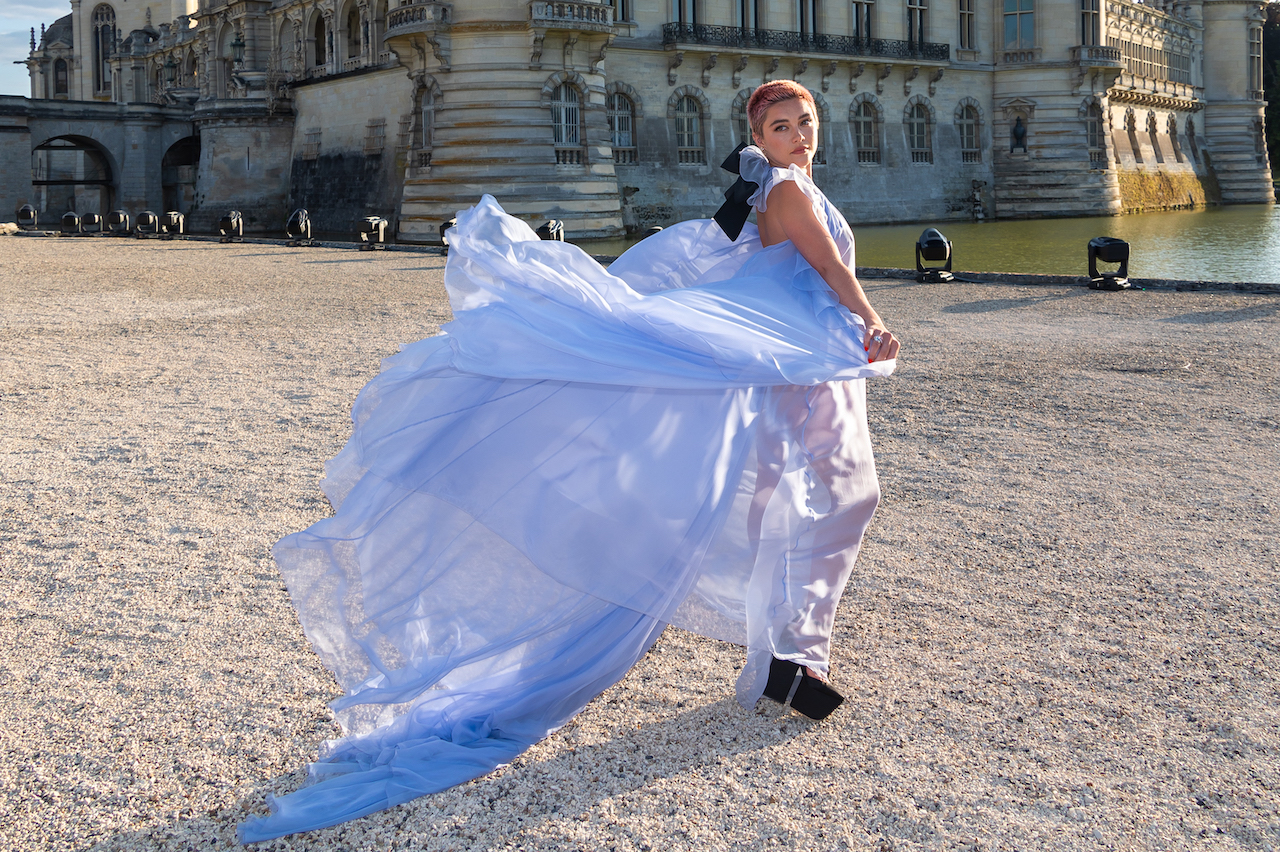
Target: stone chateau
616 114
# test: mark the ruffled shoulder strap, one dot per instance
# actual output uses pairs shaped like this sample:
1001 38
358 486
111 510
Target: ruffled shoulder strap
755 168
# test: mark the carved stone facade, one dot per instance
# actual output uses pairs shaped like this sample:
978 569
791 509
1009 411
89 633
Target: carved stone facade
616 114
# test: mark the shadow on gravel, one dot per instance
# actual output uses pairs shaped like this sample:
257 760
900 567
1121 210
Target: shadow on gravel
986 306
1251 312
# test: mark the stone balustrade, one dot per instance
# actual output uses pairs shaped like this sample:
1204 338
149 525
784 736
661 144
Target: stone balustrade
418 17
1096 56
583 16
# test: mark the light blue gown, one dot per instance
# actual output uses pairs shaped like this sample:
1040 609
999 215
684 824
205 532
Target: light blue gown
582 457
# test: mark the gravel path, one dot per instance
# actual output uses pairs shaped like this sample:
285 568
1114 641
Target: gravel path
1062 633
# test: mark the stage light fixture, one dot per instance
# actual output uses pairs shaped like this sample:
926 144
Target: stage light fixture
1108 250
231 227
373 233
933 247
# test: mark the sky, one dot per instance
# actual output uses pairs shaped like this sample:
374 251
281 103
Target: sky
17 17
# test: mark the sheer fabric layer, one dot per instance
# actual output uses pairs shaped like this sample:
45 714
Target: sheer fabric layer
583 457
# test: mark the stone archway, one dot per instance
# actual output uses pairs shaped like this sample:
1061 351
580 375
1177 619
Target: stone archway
178 174
71 174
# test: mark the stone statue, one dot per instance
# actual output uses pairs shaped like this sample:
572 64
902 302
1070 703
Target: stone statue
1019 136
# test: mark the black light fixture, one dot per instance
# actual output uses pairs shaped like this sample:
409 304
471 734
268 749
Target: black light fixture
298 229
91 223
172 225
933 247
552 229
231 227
170 70
118 223
28 218
70 223
148 225
444 228
1108 250
237 48
373 233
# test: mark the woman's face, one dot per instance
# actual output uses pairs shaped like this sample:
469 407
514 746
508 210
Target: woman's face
790 134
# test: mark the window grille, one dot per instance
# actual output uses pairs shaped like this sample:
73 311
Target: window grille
970 139
862 15
375 136
917 21
1090 22
1094 138
566 119
866 134
622 122
967 31
404 133
311 144
918 135
689 149
1019 24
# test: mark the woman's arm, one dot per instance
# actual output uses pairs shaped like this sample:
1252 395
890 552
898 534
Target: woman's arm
790 216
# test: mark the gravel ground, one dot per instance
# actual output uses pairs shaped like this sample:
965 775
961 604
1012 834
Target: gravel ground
1061 635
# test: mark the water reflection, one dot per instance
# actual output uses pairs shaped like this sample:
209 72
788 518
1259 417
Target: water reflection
1237 243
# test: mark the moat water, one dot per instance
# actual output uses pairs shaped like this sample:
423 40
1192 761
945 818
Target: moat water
1237 243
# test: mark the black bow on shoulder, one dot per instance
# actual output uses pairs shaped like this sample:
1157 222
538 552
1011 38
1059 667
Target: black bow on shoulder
733 214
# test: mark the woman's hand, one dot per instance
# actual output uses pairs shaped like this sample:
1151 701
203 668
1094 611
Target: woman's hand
880 343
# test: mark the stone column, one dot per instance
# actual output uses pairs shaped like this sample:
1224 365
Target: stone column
1232 116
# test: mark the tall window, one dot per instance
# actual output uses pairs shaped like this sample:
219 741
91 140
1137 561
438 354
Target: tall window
862 14
967 39
918 19
1019 25
749 16
685 11
621 9
353 35
866 133
60 77
1093 136
1255 62
1090 26
807 16
622 123
689 147
970 139
321 55
566 118
104 41
918 134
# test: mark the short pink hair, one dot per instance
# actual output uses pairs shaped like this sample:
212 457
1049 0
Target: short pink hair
771 93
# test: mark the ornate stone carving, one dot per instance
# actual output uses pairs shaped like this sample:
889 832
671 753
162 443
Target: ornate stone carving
854 74
707 64
677 59
736 79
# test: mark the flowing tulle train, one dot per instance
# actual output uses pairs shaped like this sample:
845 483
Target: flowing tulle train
582 458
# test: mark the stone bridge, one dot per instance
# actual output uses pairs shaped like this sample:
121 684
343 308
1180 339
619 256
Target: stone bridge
95 157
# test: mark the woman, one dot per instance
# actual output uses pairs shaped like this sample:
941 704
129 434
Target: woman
584 457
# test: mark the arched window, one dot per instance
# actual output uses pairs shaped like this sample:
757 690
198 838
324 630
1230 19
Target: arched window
970 138
321 55
918 136
60 77
104 41
566 119
689 147
866 133
622 124
1093 132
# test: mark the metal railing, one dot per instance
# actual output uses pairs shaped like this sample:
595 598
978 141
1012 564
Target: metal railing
793 42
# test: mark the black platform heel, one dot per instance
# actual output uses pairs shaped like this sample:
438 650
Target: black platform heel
809 695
